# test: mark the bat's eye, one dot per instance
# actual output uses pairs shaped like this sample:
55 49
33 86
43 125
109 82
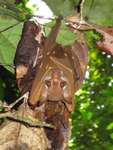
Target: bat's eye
48 83
62 84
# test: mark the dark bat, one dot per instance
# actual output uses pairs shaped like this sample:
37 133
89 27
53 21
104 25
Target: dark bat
28 55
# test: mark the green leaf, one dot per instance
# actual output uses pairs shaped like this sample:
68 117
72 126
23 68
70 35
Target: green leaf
65 36
12 14
7 1
8 43
8 8
110 126
99 11
87 115
111 135
6 53
62 7
9 5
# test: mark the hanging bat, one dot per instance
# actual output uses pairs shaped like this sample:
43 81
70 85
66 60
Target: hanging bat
48 46
72 71
28 55
72 61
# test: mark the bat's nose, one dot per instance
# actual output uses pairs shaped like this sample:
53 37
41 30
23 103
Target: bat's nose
56 82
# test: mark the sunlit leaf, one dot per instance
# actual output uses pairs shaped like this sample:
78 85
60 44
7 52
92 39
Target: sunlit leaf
111 135
110 126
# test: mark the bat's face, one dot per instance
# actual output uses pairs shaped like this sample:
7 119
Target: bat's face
54 84
56 87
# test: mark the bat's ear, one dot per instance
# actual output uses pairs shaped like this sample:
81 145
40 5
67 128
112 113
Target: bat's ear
43 94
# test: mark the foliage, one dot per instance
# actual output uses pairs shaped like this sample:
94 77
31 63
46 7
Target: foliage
92 123
12 9
64 7
96 11
92 120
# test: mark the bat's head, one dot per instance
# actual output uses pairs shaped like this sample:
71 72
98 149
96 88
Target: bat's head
55 79
56 87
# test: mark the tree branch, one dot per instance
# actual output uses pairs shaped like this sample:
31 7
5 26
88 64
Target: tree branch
30 121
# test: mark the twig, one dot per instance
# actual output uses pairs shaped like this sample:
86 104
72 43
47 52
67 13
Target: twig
29 121
81 10
42 17
9 107
25 96
5 115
